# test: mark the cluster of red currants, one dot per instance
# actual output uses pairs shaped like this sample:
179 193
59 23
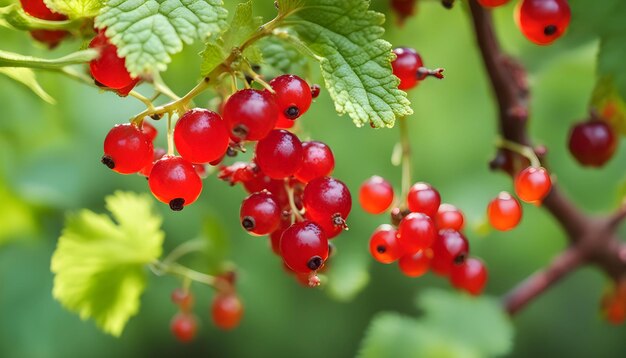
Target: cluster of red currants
226 311
38 9
425 236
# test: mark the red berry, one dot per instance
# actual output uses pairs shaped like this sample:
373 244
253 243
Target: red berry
492 3
158 154
275 240
184 326
533 184
403 9
201 136
293 96
416 232
471 276
592 143
376 195
174 181
417 264
449 217
504 212
317 161
183 299
279 155
149 131
38 9
542 21
315 91
109 69
260 182
450 248
423 198
613 304
405 67
304 247
384 244
327 201
126 149
226 310
250 114
260 213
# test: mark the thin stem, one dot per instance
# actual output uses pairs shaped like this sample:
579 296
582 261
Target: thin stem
296 215
405 143
184 249
161 87
257 78
142 98
523 150
170 136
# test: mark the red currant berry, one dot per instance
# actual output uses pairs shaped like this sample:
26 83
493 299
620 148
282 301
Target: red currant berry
613 305
260 213
405 67
126 149
251 114
158 154
403 9
260 182
149 131
184 327
304 247
423 198
317 161
201 136
38 9
227 311
174 181
109 69
275 240
492 3
384 245
542 21
293 96
183 299
471 276
416 232
327 201
375 195
449 217
533 184
279 155
592 143
415 265
449 249
504 212
315 91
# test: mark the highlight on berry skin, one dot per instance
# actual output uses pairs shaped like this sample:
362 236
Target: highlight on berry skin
375 195
542 21
532 184
504 212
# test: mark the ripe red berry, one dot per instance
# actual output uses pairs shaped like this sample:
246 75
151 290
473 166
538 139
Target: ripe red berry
403 9
149 131
158 154
275 240
384 244
184 327
542 21
183 299
449 249
174 181
533 184
260 182
126 149
327 201
592 143
293 96
471 276
226 311
613 304
317 161
38 9
250 114
260 213
405 67
201 136
375 195
423 198
415 265
279 155
449 217
416 232
315 91
304 247
492 3
109 69
504 212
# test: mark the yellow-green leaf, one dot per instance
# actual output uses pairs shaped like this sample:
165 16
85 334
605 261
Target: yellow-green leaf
76 8
27 77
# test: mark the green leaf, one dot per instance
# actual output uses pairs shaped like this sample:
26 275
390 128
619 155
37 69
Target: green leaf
26 76
609 104
243 26
99 264
16 18
356 62
10 59
148 33
347 277
76 8
212 56
283 58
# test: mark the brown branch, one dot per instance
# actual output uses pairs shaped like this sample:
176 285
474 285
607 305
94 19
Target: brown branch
592 240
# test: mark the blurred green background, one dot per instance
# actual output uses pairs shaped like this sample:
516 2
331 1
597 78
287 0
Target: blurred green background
49 165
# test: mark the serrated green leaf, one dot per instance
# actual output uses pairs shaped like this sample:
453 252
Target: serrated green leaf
243 25
283 58
347 277
27 77
148 33
99 264
75 9
609 104
355 60
212 56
